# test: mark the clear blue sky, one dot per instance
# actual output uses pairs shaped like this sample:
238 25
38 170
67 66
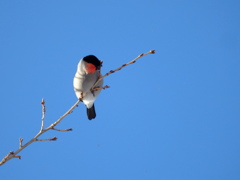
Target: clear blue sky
172 115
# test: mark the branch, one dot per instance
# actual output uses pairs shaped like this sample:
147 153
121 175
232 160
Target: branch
98 88
13 154
43 114
113 71
49 139
20 142
64 130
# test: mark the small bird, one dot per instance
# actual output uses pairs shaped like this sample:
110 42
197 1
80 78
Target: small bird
88 72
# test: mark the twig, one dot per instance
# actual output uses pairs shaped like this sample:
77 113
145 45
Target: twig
12 154
20 142
43 114
113 71
64 130
131 62
98 88
50 139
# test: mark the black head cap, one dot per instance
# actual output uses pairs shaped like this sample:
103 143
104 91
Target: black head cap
93 60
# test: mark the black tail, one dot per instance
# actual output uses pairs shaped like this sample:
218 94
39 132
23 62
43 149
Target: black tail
91 113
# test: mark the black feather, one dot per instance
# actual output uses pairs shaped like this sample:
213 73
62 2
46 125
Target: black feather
91 113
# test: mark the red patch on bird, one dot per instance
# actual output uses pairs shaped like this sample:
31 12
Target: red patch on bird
90 68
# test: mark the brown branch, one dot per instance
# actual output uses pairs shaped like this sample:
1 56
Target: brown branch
50 139
12 154
98 88
64 130
131 62
113 71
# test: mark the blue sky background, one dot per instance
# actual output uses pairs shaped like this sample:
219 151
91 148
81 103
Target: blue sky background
172 115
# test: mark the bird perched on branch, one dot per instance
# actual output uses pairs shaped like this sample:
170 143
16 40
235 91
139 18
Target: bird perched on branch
88 72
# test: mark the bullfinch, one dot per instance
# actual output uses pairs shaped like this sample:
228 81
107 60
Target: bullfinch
88 72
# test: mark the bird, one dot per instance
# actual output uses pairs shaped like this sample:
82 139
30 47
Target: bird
88 73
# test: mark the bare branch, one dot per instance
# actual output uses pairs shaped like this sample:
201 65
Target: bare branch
43 114
98 88
12 154
20 142
34 139
64 130
50 139
113 71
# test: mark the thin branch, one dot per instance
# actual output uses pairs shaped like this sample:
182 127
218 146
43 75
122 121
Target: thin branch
20 142
43 114
64 130
50 139
12 154
98 88
113 71
131 62
19 157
